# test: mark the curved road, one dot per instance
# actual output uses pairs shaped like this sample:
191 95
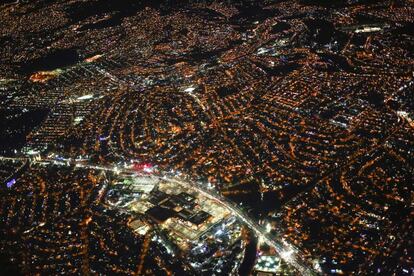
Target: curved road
289 253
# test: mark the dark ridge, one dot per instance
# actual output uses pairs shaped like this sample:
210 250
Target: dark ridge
375 98
57 59
225 91
206 13
359 40
280 27
368 19
15 125
341 39
250 201
80 11
199 54
298 15
329 112
337 61
7 268
251 14
406 29
294 57
112 21
271 201
321 30
83 10
282 70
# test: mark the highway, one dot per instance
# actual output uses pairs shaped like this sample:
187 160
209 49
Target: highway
289 253
286 251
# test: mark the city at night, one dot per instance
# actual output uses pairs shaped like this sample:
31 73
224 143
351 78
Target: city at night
207 137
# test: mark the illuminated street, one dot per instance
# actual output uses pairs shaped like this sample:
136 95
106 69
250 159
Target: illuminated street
286 251
237 137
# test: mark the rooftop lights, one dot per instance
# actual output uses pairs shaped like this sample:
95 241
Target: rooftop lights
268 228
11 183
85 97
